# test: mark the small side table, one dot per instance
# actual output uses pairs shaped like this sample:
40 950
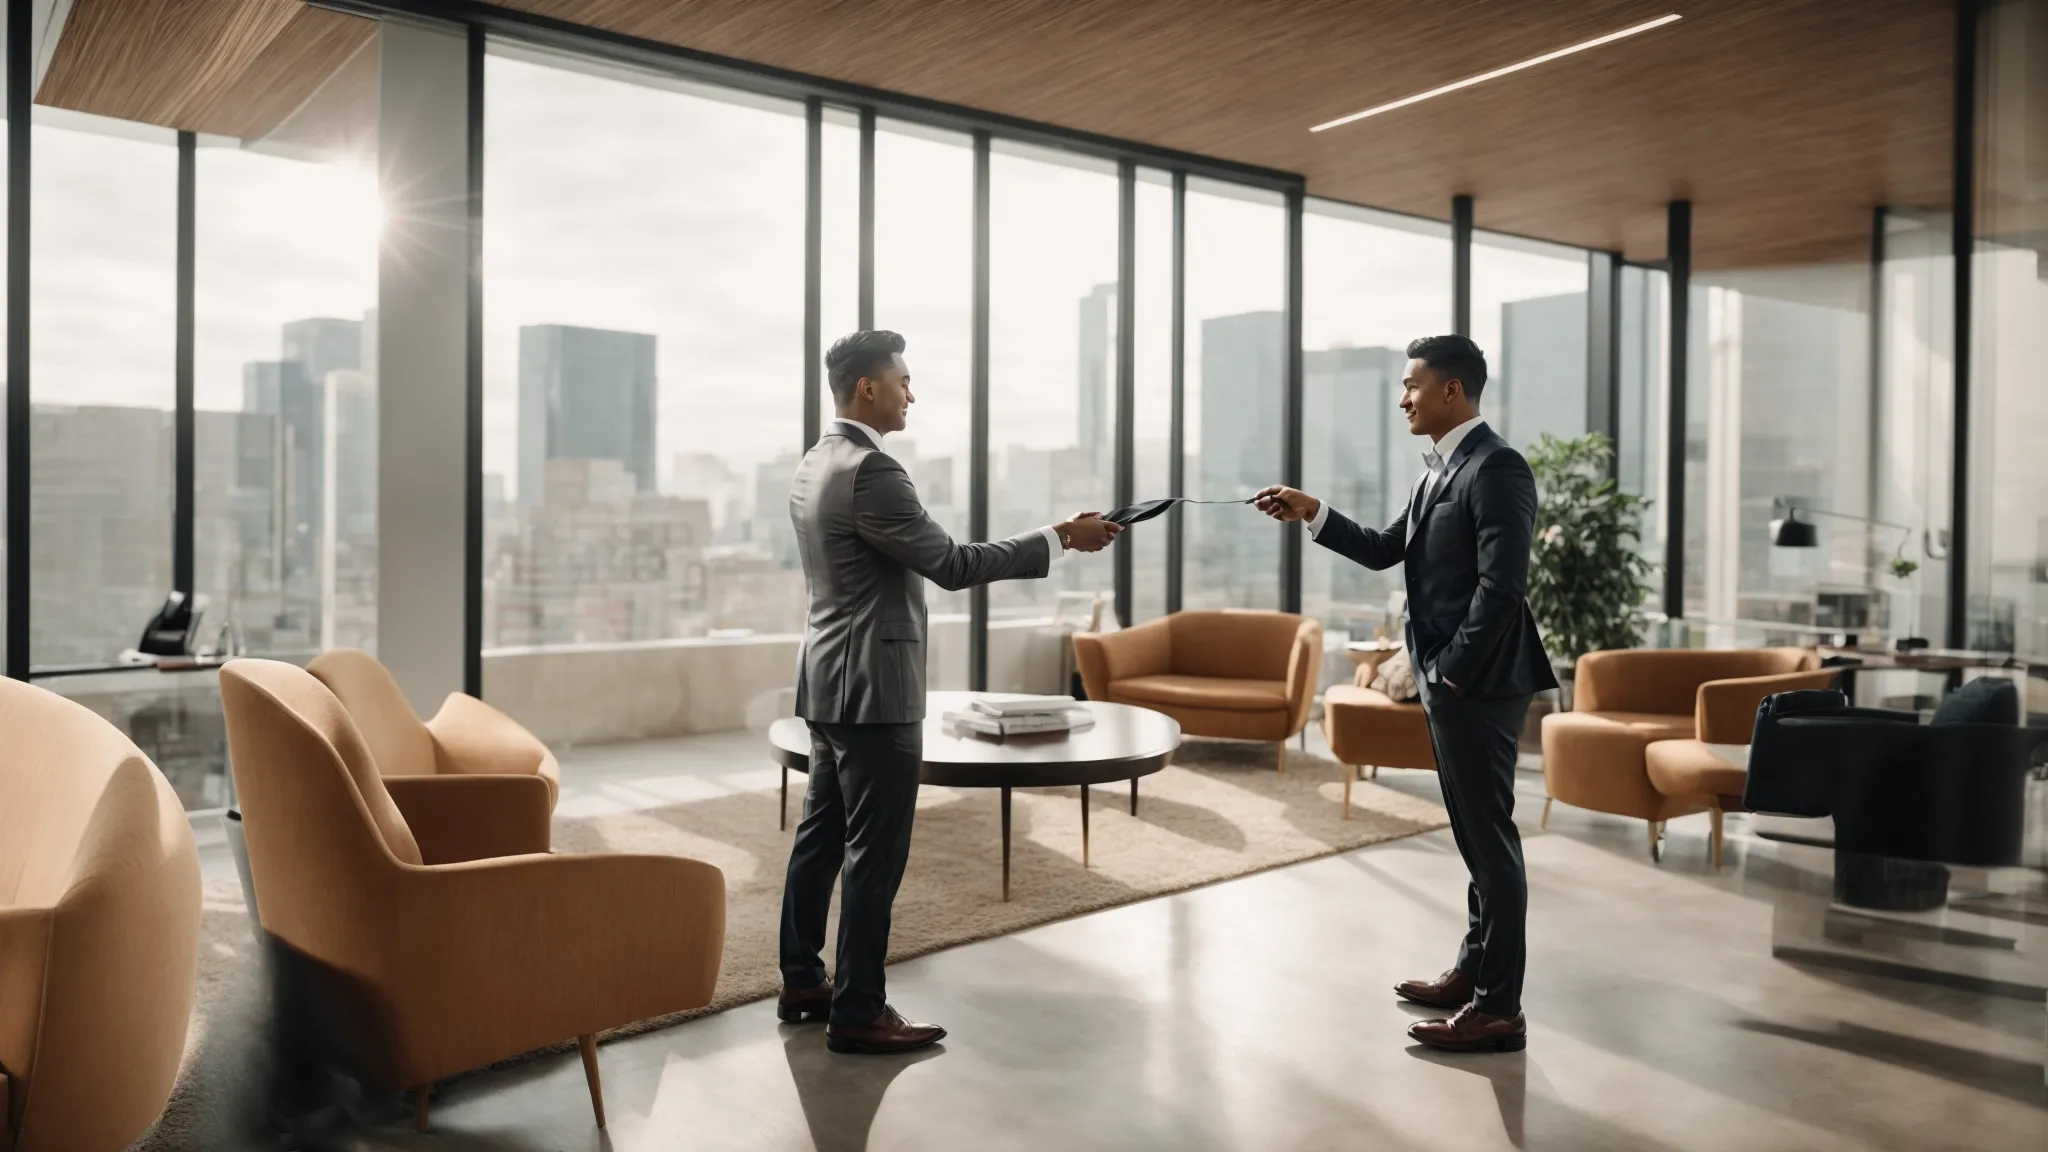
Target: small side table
1368 655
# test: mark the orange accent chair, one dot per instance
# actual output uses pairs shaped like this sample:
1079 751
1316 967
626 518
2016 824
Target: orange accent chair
1626 702
471 782
1242 675
431 969
1367 728
99 929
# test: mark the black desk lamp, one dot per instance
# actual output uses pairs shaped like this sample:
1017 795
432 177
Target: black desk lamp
1789 531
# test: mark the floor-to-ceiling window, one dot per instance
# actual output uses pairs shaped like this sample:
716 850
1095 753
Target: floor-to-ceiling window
838 239
1529 317
1780 409
103 262
924 289
1152 399
1236 352
285 427
2008 526
643 336
1052 361
1642 314
1373 282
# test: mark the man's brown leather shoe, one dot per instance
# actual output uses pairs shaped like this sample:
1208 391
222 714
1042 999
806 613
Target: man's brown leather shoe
890 1033
1473 1031
1453 989
797 1005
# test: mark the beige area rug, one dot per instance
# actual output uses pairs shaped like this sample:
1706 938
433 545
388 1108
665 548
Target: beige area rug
1218 812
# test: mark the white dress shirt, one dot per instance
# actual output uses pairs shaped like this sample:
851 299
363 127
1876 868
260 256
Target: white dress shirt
1052 536
1433 461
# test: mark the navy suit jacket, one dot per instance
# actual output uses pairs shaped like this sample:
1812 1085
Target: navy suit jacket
1467 570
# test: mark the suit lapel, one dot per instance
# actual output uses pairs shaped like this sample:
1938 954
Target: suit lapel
1472 441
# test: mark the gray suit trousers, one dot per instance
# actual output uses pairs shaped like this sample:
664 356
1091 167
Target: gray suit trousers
857 815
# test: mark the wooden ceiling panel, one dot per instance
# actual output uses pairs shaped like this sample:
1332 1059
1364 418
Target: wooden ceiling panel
233 67
1785 122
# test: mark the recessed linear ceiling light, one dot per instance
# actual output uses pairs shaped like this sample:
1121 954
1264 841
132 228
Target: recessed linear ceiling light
1499 72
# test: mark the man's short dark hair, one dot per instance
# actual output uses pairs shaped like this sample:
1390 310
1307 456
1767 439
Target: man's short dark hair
1453 358
858 355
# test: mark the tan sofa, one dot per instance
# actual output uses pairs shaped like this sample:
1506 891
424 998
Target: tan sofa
471 782
99 929
1366 728
1240 675
431 969
1596 755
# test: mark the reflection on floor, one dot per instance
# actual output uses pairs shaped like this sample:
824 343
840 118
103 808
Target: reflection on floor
1255 1015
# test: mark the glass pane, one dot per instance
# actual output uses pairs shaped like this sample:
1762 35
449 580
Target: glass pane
1236 288
2008 483
1529 317
1913 469
1052 363
1373 282
104 277
1783 418
1152 299
924 289
643 335
285 469
1645 369
839 239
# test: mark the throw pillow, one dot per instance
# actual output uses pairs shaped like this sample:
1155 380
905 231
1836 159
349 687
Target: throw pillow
1396 678
1985 700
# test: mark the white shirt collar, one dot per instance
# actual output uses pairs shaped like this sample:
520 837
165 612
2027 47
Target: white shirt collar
1448 446
873 436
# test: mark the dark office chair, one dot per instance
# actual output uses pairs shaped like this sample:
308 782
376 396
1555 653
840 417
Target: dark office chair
1951 791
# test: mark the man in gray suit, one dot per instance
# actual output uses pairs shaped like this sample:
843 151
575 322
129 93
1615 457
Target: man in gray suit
868 547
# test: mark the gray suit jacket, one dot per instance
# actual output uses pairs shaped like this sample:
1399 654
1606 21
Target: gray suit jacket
868 547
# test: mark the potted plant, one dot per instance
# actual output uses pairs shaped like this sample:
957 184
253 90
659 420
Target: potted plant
1587 574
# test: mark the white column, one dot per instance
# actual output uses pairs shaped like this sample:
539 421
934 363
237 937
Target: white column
421 340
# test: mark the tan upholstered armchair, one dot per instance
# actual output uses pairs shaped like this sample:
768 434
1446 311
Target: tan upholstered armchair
1595 756
434 969
1236 674
471 782
99 929
1367 728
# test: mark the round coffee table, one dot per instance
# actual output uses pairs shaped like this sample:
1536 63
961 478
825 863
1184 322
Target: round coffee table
1124 744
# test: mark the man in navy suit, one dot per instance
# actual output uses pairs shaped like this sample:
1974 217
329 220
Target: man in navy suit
1464 538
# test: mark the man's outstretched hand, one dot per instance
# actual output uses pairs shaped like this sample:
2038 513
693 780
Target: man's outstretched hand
1087 532
1287 503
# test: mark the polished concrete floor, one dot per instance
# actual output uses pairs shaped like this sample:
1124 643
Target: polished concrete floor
1255 1014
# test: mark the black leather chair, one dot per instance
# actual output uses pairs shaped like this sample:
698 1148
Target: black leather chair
1952 791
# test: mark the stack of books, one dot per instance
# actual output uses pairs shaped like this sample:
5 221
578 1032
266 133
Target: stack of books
1002 714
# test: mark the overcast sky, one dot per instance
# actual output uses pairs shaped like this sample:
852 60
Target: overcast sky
623 205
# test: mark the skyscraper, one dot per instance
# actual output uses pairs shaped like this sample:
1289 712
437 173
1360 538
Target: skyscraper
1356 454
1235 551
281 388
1095 375
585 394
1540 370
